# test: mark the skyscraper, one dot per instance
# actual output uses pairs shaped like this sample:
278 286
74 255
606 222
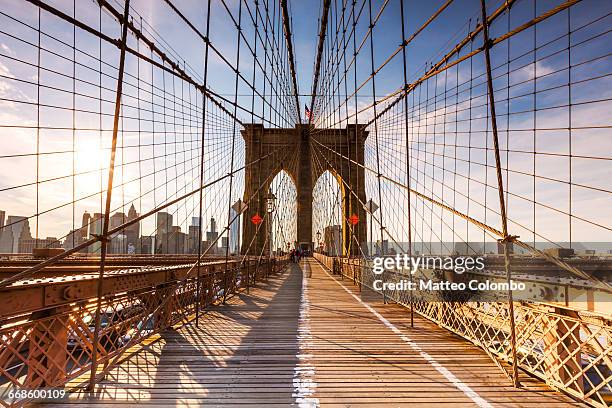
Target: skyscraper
163 222
163 225
95 228
118 241
195 221
176 240
224 245
193 235
212 234
213 225
211 237
17 228
79 235
234 235
85 225
132 232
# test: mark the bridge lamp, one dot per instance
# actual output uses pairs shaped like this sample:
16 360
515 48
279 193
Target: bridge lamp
270 200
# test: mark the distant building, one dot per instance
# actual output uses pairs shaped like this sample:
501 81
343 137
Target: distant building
79 235
501 248
470 248
116 220
234 233
126 240
205 245
195 221
163 223
224 248
96 224
85 225
385 247
17 229
73 239
211 236
118 244
132 232
118 241
192 239
176 241
333 240
27 245
146 244
2 215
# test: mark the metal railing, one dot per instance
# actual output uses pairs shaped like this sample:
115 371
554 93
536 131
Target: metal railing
48 347
569 349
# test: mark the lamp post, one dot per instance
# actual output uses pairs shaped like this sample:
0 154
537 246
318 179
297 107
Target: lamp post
270 201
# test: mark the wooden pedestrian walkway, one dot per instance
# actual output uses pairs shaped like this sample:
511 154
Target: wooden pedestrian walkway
308 339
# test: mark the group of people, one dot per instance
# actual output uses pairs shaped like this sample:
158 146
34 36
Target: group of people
297 254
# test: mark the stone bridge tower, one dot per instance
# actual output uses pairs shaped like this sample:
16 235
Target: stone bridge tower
276 147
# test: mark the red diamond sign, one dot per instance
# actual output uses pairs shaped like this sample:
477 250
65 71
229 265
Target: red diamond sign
354 219
256 219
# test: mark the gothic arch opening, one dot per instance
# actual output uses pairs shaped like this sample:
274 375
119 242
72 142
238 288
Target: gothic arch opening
283 232
327 214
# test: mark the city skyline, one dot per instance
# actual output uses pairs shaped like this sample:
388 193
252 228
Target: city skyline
16 236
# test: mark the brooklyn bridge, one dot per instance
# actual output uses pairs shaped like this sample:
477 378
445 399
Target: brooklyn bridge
282 203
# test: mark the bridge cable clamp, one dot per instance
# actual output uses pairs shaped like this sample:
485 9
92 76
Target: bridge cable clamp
509 238
100 238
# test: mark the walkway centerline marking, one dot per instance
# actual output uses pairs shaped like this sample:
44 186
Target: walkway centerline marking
478 400
303 374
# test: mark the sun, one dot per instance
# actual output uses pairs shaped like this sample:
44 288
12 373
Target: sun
90 156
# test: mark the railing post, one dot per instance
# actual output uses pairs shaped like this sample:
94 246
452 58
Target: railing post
360 274
248 276
562 350
47 354
225 283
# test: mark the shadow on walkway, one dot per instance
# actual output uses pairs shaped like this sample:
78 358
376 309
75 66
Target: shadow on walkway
243 351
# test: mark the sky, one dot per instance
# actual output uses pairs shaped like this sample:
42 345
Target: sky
159 146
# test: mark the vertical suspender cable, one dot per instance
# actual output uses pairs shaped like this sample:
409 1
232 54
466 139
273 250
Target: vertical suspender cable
231 180
507 240
202 150
109 193
407 156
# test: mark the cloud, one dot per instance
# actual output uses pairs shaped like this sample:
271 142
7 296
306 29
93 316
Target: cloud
7 49
527 72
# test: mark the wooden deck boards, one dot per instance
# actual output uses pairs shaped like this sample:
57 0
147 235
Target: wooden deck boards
283 346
